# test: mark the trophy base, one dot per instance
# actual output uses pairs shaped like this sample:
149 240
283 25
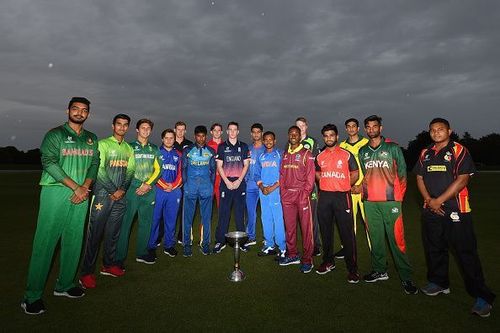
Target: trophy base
236 276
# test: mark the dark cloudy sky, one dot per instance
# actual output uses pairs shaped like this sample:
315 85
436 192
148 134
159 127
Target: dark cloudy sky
265 61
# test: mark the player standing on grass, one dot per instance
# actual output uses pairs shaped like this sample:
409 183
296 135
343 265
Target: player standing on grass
232 164
198 174
297 181
70 159
353 144
216 132
312 145
443 172
336 171
256 149
116 170
384 187
141 195
168 195
268 179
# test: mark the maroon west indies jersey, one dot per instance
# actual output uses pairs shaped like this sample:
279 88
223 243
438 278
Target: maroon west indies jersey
297 170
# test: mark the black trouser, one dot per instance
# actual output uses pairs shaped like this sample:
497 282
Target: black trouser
105 219
336 207
454 230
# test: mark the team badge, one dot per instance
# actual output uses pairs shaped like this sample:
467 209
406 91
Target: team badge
447 157
384 154
69 139
175 158
112 153
239 149
455 217
297 157
395 210
339 164
90 142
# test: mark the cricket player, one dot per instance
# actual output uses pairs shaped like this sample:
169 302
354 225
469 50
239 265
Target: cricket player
353 144
336 172
232 164
168 195
252 196
198 174
296 184
216 132
268 179
311 144
116 171
70 159
141 195
384 187
443 172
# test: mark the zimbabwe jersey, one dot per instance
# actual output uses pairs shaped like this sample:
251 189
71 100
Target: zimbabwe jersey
67 154
117 166
384 168
354 148
440 168
147 167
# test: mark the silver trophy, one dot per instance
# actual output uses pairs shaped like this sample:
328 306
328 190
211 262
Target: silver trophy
236 239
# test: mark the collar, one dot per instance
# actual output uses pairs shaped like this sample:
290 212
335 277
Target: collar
296 149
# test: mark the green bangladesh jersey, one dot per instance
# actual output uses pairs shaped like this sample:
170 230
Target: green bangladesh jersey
147 167
117 165
384 168
64 153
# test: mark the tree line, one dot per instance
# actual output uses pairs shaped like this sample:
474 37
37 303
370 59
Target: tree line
484 151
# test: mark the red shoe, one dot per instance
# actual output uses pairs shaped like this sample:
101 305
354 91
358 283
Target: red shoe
88 281
113 271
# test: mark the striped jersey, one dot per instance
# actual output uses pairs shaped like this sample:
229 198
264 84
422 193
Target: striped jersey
354 148
198 162
171 168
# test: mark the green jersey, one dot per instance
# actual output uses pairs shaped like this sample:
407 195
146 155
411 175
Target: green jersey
147 167
117 165
384 168
66 154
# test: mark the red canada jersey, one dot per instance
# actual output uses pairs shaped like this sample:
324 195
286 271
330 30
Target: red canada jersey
334 167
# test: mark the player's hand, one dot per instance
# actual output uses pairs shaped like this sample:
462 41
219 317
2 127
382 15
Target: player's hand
436 207
236 184
229 184
117 195
80 194
143 189
356 189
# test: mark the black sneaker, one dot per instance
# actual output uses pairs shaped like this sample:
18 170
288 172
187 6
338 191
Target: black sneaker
316 252
171 252
375 276
409 287
75 292
35 308
340 254
147 259
218 248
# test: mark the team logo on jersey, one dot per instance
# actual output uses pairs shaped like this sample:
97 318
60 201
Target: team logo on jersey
384 154
112 153
339 164
98 206
367 156
455 217
447 157
175 158
90 142
162 158
239 149
395 210
69 139
427 157
297 157
227 150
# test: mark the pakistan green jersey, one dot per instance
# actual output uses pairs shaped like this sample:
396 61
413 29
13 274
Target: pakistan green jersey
147 167
117 165
384 168
64 153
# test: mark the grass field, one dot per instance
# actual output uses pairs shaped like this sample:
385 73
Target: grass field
179 294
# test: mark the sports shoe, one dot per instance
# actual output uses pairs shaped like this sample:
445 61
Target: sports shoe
280 255
306 268
250 242
147 259
75 292
340 254
316 252
205 250
375 276
289 261
171 252
218 248
481 308
353 277
88 281
35 308
113 271
188 252
266 251
325 268
409 287
432 289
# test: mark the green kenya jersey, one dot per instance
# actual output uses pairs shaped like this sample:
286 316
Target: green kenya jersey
117 165
64 153
147 167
